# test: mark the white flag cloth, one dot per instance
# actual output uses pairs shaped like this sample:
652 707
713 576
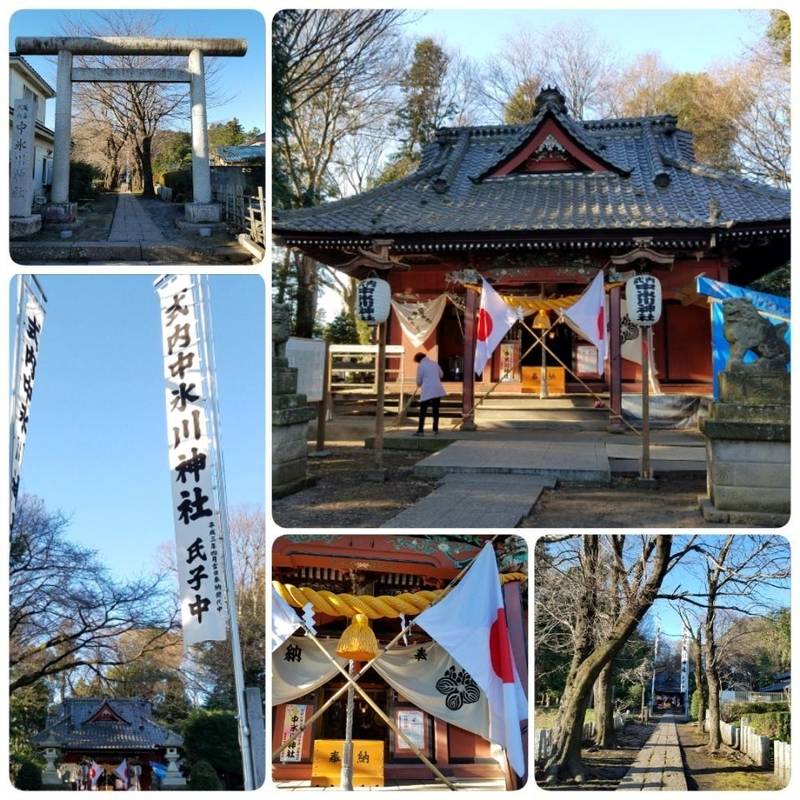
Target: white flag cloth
470 623
122 771
494 320
424 674
284 621
587 315
299 667
95 771
419 319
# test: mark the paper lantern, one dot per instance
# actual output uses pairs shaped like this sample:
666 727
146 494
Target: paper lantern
643 296
374 300
358 642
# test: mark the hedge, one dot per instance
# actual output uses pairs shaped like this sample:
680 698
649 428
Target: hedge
775 724
733 712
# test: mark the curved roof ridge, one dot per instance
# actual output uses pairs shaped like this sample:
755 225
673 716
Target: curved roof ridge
696 168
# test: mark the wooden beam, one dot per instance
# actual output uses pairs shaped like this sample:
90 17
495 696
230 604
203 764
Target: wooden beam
87 75
615 357
468 393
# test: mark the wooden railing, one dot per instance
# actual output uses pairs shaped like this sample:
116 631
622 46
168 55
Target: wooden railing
244 213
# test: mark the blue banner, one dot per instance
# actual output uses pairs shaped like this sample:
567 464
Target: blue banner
774 308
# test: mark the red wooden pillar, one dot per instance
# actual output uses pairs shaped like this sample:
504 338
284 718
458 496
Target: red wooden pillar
615 359
468 394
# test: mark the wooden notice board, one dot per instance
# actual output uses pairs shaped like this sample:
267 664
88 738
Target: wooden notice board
326 767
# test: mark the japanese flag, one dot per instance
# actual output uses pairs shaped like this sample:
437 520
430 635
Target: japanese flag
470 623
95 771
587 315
284 621
493 322
122 771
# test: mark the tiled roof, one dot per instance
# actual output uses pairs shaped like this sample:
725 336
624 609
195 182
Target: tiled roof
71 728
652 182
242 154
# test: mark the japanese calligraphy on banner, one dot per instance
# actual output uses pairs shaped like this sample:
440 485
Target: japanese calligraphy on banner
643 296
194 499
29 330
294 717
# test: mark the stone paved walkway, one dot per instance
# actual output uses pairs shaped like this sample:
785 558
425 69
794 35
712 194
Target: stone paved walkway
473 501
659 766
132 223
553 460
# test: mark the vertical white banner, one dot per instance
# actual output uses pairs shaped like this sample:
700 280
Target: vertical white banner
685 662
194 499
30 321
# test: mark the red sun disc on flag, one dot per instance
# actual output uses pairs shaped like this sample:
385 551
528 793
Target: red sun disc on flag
500 649
601 324
484 325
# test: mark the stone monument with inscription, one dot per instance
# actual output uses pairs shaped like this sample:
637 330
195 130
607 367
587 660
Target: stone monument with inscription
748 430
22 222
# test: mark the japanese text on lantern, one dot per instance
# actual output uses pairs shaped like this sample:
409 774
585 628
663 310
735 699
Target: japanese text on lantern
28 335
194 500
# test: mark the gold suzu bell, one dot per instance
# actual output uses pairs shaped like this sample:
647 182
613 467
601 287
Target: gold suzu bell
358 642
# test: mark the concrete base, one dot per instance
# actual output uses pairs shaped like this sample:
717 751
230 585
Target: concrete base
20 227
202 212
60 213
198 227
757 519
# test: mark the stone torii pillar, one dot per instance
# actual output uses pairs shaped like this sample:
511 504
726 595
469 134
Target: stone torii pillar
201 210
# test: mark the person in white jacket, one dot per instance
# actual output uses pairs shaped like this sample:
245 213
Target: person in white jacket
429 379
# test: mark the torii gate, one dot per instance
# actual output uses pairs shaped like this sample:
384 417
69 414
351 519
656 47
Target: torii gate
201 210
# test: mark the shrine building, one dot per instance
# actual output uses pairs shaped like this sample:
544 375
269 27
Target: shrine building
107 731
538 209
390 574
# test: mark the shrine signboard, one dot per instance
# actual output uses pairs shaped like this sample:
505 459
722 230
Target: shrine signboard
368 763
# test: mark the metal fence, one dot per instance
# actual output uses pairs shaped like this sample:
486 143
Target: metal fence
244 213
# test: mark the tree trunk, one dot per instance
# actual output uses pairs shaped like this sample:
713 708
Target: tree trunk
605 736
712 679
282 276
306 295
566 760
702 688
147 168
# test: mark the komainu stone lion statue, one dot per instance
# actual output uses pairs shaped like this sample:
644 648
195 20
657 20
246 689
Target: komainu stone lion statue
281 328
746 330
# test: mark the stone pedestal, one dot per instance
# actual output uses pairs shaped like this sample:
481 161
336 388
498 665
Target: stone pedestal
748 449
197 213
60 213
290 416
20 227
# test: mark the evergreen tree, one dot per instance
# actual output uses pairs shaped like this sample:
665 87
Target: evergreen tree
342 330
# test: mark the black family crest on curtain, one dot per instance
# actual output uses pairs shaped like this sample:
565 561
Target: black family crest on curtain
458 687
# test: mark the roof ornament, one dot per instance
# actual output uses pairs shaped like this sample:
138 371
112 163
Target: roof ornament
550 98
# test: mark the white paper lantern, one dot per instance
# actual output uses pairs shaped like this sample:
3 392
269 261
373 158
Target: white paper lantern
374 300
643 296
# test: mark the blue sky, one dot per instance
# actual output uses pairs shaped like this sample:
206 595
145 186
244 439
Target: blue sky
242 80
97 446
688 40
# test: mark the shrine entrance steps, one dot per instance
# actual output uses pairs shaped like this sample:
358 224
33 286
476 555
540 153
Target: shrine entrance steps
659 766
474 501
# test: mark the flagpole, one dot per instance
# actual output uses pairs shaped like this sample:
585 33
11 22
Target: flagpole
403 631
222 499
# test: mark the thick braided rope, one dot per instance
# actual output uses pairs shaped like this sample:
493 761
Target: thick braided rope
346 605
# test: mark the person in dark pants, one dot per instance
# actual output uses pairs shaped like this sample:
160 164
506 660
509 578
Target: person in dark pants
429 379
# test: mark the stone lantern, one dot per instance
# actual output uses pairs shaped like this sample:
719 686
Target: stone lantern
173 776
52 751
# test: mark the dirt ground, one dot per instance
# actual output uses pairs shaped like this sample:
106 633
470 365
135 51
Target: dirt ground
344 497
95 218
606 768
723 771
671 503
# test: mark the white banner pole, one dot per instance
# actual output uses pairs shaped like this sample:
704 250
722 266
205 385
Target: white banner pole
207 344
